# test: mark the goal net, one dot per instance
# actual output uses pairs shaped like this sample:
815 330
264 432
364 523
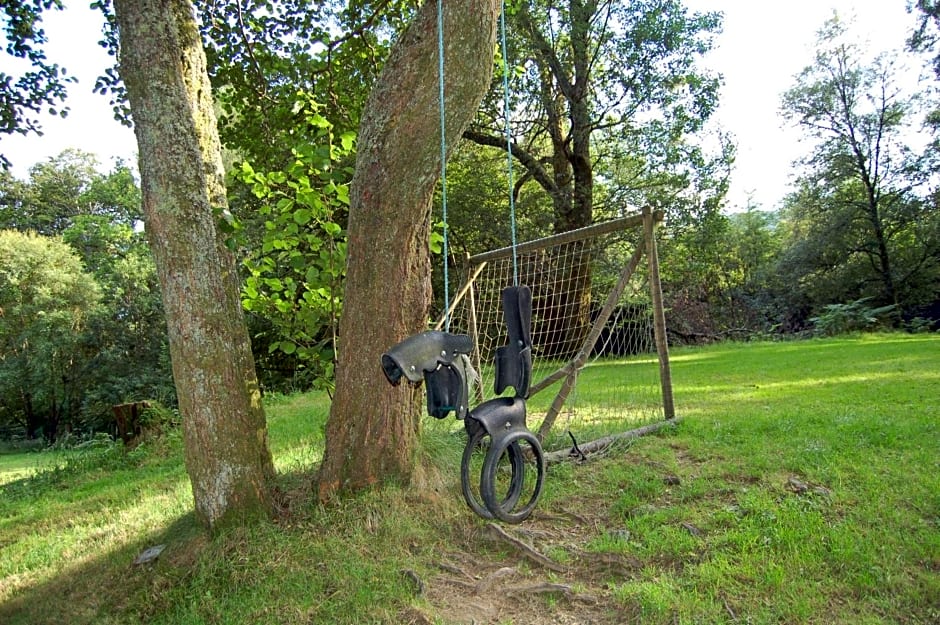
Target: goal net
598 359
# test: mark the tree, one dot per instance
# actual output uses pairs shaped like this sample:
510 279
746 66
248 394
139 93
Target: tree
126 355
754 246
925 38
856 200
123 339
625 72
63 187
162 65
373 428
295 276
52 196
266 56
46 298
43 84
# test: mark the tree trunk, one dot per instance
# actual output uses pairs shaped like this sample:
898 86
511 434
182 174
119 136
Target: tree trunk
372 433
566 91
163 66
33 422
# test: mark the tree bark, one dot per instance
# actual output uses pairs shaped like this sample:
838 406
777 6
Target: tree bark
163 67
372 432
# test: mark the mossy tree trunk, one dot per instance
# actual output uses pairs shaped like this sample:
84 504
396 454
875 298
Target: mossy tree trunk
163 66
372 433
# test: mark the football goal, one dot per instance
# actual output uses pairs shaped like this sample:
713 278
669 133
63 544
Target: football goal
599 349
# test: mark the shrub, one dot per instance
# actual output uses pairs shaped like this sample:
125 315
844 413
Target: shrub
856 316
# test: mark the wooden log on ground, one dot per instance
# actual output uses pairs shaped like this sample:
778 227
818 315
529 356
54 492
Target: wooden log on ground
600 444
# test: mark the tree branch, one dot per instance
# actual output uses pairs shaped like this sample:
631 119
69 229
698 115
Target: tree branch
528 160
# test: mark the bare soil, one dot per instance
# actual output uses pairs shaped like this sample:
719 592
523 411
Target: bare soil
506 574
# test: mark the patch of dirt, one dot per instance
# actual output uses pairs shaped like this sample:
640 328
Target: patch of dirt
536 573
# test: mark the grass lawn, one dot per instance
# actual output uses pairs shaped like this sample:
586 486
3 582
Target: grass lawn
802 485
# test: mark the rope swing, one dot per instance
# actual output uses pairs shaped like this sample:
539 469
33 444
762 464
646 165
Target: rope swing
496 428
507 130
443 118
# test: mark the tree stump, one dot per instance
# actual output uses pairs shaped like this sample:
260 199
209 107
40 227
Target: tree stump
127 417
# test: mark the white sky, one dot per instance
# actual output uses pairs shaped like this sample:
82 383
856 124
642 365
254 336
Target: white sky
73 36
763 46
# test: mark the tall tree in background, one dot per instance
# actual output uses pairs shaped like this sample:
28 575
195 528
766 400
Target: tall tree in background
856 204
372 432
623 71
126 355
627 70
64 187
925 38
123 340
162 65
46 298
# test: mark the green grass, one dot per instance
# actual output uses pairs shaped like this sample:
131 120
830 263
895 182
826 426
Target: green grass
802 485
857 420
17 463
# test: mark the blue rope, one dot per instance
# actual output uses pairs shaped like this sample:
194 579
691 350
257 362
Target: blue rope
441 102
440 72
512 202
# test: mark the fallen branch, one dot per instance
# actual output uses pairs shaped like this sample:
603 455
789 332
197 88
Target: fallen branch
415 579
525 549
605 442
453 568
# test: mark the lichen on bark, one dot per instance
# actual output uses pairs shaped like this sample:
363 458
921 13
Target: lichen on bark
163 67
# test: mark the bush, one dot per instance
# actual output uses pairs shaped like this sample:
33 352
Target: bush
157 417
855 316
919 325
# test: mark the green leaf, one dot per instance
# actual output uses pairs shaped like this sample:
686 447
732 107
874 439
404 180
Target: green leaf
302 216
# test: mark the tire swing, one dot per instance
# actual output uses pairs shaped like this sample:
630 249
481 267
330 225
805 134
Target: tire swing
503 421
496 427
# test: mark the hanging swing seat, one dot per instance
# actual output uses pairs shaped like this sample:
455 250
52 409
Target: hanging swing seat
514 360
438 359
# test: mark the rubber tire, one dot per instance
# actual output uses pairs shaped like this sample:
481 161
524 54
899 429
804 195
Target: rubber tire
499 510
517 461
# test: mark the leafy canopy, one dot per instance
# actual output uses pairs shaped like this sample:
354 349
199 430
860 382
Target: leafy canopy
35 83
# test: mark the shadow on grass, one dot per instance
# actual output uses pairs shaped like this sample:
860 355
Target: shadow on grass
347 561
109 588
104 586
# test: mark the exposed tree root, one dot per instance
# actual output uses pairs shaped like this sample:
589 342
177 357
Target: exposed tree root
524 549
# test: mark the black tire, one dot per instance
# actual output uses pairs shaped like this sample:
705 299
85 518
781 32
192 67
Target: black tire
476 438
500 510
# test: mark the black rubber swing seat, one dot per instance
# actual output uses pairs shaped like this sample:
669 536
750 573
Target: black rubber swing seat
502 420
440 360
